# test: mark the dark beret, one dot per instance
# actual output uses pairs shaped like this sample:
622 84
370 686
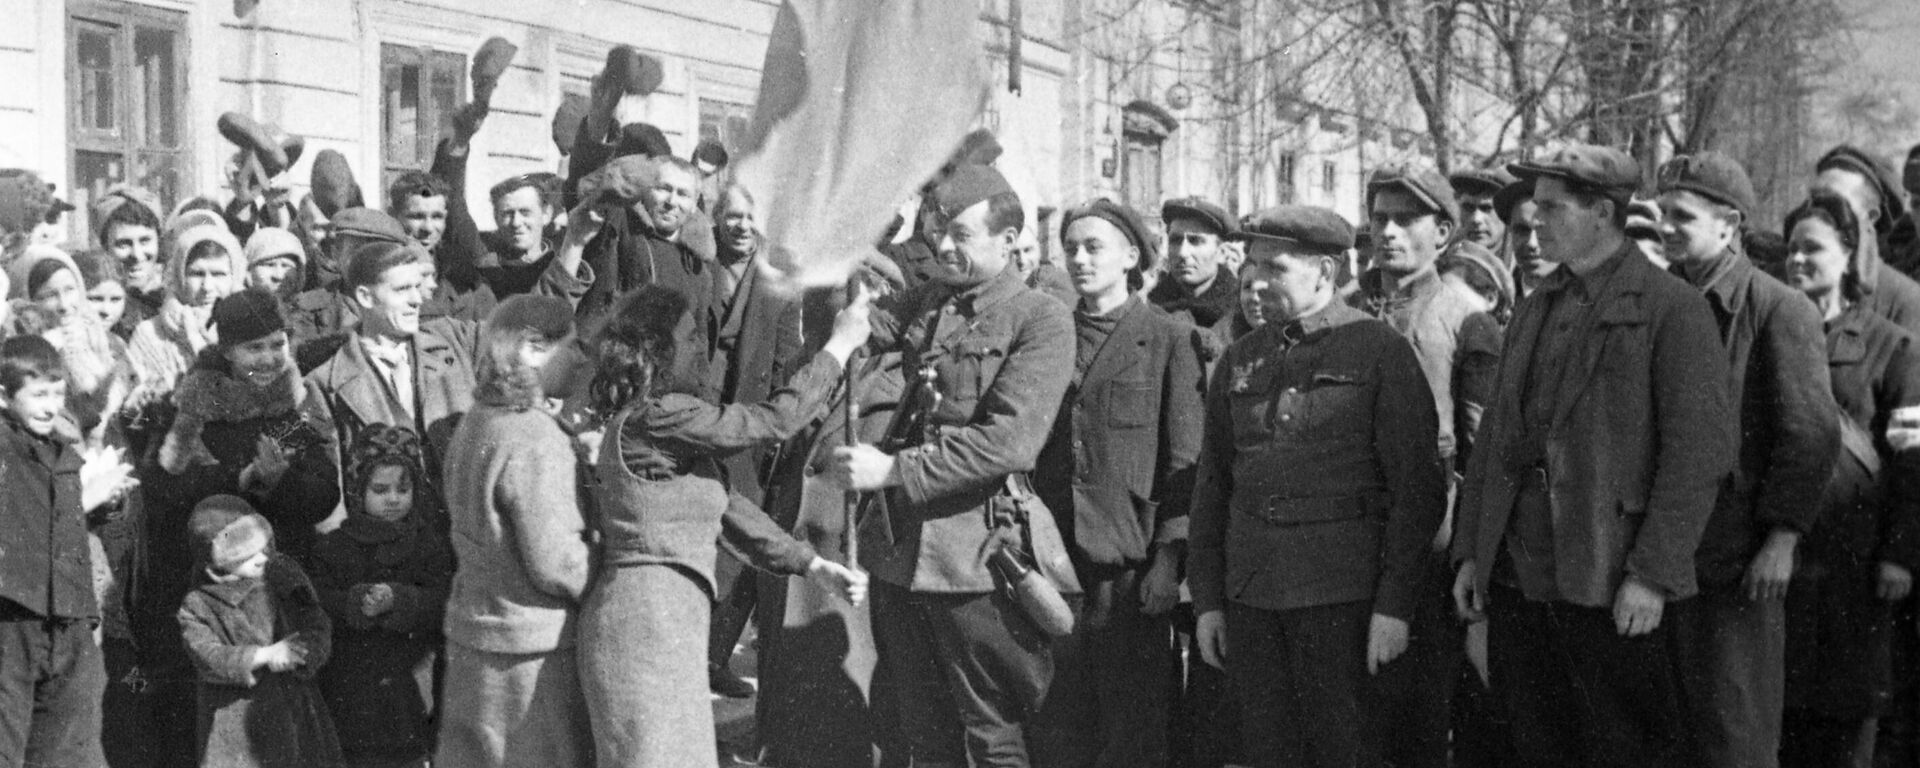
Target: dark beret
1480 181
369 224
1123 218
550 316
1712 175
1196 208
1510 197
621 181
1603 167
642 139
1877 171
567 119
712 153
333 187
1307 228
633 72
1425 184
968 185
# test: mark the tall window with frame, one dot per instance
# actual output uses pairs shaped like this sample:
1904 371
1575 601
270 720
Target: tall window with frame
126 93
420 89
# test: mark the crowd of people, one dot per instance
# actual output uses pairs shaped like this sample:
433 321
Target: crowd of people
1544 464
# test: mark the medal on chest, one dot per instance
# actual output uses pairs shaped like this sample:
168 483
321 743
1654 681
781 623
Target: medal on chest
1243 375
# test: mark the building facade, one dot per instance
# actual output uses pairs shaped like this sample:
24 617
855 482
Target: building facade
1139 101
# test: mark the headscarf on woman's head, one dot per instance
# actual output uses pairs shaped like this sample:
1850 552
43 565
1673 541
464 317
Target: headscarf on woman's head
41 258
120 195
1856 228
192 236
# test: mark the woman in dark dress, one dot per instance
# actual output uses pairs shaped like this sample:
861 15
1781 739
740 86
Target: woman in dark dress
1858 561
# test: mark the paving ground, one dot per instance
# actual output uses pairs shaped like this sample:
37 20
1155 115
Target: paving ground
733 718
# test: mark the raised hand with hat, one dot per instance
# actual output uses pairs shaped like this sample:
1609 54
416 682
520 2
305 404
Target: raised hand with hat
489 63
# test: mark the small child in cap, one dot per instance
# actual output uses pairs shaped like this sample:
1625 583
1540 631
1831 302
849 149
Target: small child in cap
257 636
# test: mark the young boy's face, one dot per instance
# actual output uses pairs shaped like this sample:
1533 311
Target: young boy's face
36 402
254 567
389 494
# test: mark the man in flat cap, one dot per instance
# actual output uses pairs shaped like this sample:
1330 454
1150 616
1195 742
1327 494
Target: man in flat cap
1117 473
984 355
1480 223
1411 212
1870 184
1316 498
1198 281
1595 472
1731 643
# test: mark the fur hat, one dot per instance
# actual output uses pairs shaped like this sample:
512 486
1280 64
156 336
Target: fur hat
226 531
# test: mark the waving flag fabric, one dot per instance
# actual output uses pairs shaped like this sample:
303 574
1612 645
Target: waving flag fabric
860 102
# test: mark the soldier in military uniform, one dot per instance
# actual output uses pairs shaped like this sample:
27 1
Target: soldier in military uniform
1318 491
984 355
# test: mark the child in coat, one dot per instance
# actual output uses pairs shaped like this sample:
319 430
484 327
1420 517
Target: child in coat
383 577
257 636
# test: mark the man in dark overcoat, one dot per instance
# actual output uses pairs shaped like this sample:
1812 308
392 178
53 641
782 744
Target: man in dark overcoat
1731 644
1596 469
1117 473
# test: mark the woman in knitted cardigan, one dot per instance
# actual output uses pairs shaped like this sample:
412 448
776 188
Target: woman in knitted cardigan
512 694
662 500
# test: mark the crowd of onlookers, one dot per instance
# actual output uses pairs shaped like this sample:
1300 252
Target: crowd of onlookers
1530 468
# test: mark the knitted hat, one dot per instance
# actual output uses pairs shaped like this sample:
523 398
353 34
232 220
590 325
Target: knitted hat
273 243
375 446
245 316
226 531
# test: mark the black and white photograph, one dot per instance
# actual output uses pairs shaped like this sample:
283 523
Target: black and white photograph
959 383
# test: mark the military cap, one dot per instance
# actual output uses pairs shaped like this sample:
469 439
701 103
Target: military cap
1876 171
1196 208
1711 175
633 72
621 181
369 224
489 63
334 189
550 316
1307 228
1123 218
1510 197
968 185
979 147
1602 167
567 119
1480 181
1425 184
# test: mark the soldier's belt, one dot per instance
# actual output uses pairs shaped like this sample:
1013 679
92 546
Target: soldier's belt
1298 510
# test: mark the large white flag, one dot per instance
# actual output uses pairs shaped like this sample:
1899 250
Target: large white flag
860 102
